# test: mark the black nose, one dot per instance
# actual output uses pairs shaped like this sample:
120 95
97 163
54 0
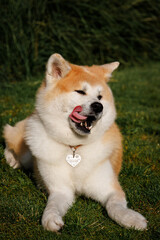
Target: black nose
96 107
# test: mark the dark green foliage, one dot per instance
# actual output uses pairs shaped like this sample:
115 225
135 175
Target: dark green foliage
137 97
83 31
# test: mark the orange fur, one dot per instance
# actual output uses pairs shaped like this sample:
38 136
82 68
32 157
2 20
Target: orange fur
93 75
14 137
113 135
118 188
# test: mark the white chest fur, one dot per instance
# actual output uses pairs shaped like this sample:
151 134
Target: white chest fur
49 151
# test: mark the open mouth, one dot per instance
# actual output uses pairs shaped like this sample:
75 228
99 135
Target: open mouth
86 125
81 123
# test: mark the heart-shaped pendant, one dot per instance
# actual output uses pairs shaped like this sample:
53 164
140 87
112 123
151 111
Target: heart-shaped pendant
73 160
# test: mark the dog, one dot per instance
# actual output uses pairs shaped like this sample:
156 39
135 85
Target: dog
74 142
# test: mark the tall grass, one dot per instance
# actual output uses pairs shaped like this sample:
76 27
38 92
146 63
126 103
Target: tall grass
83 31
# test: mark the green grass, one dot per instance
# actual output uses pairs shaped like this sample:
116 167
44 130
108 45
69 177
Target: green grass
137 98
84 31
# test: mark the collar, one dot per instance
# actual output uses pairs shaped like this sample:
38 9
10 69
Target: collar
74 148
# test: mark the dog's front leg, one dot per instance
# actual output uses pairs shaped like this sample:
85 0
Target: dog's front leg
61 193
103 185
57 205
117 210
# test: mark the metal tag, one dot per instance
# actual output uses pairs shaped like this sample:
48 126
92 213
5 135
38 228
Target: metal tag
73 160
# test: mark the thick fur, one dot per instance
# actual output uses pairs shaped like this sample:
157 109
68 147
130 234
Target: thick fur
49 135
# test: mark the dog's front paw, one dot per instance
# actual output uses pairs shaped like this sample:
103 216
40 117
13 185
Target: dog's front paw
132 219
52 222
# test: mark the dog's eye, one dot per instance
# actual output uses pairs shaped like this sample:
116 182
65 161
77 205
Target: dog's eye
80 92
99 97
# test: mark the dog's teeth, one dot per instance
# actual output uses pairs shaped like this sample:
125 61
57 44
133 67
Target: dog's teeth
84 124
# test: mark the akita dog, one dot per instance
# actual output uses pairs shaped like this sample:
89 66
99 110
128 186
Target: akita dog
74 142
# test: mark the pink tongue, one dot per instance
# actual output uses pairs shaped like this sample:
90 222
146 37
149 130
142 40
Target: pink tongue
75 116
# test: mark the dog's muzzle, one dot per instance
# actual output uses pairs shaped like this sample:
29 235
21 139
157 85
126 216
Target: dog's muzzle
83 119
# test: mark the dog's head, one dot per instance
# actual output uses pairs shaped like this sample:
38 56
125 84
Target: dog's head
74 102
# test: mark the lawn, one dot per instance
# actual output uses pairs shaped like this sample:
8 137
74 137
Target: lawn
137 96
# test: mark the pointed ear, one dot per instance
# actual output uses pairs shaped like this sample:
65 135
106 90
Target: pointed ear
57 67
109 68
